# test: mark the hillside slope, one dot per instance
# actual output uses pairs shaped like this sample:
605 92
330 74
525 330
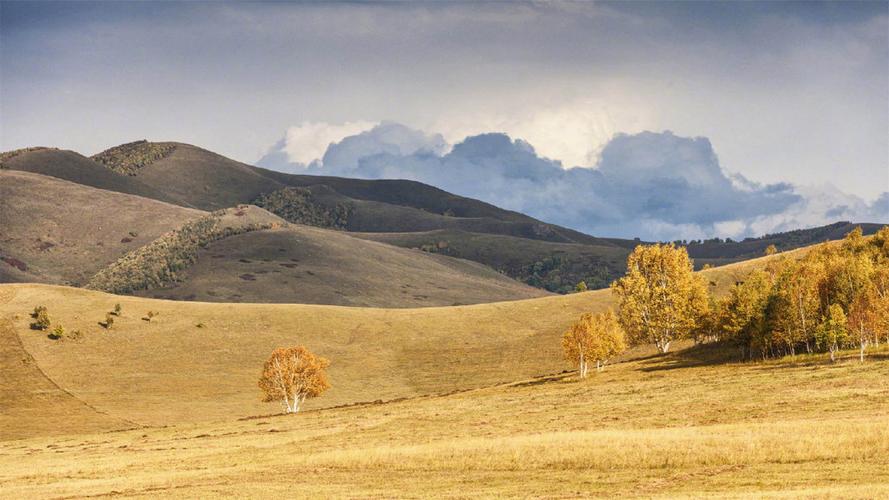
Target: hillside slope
77 168
675 426
318 266
168 370
417 215
55 231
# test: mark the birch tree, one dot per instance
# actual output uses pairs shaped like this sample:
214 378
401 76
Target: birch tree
660 297
594 338
291 375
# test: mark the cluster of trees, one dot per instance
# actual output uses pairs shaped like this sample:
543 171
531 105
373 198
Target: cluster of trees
43 323
834 297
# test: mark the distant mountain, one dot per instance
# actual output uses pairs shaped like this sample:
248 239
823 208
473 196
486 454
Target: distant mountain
60 232
397 212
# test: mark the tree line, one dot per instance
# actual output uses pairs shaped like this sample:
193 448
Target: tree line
834 297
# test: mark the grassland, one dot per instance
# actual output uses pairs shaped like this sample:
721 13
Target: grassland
62 232
317 266
656 427
457 402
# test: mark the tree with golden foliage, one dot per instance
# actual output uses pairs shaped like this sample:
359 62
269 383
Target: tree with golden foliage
867 316
291 375
594 337
832 333
771 250
660 297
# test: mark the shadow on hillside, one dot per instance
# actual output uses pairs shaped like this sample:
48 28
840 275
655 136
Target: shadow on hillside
820 360
696 355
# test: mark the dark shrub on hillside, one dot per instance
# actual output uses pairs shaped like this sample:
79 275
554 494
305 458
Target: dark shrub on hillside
297 205
159 262
129 158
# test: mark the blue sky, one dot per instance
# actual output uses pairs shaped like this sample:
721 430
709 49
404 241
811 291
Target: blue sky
783 92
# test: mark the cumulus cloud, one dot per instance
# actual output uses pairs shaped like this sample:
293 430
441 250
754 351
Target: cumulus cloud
314 144
306 143
656 186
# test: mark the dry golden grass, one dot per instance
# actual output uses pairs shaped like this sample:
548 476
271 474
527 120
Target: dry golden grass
652 427
169 370
689 424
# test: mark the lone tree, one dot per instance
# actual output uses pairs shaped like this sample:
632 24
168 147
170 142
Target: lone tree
594 337
293 374
660 298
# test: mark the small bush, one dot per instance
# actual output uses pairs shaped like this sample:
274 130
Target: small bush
76 334
41 318
151 314
57 333
117 309
109 321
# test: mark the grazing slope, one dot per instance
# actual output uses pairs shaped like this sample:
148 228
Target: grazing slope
662 426
55 231
121 243
77 168
193 176
171 370
317 266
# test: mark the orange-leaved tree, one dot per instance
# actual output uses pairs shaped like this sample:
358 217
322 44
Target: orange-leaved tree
661 299
594 337
292 374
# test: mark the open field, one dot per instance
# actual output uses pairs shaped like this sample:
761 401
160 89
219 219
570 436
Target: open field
461 402
171 370
671 426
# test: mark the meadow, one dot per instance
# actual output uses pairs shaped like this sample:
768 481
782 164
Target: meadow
681 425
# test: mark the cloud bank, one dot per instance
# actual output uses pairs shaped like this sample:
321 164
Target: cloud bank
657 186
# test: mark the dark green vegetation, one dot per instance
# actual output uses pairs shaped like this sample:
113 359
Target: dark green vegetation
297 205
158 263
397 212
556 267
129 158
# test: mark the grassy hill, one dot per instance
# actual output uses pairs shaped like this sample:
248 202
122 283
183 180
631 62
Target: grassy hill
77 168
54 231
398 212
318 266
686 424
123 243
169 370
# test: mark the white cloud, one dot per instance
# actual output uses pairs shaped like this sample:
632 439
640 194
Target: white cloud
307 142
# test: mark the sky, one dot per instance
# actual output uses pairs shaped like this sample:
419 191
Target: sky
758 116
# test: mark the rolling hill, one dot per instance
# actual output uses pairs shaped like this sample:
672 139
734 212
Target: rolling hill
130 244
77 168
450 401
397 212
167 370
54 231
317 266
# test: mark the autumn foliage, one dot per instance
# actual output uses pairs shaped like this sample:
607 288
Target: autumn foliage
593 338
291 375
835 297
661 299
